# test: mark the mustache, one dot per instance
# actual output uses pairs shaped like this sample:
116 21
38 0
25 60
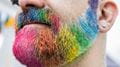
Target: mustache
38 16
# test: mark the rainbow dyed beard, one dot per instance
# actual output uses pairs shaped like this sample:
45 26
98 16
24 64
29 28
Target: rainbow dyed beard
42 40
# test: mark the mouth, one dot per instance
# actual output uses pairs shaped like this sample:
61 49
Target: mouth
34 22
36 16
23 21
37 29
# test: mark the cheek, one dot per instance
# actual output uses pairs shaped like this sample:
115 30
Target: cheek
68 9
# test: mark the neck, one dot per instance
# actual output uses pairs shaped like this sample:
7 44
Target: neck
95 57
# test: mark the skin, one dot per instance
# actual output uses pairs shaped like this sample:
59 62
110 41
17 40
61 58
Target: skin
68 10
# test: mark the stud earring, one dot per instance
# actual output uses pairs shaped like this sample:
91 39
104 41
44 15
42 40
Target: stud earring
103 24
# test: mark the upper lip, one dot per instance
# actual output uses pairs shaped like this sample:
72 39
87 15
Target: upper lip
44 16
23 20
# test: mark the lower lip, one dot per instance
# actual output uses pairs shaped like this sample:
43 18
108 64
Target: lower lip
35 25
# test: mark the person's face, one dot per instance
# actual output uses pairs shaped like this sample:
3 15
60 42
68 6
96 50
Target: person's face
51 33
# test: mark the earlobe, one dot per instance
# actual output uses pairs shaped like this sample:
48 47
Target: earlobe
108 15
104 26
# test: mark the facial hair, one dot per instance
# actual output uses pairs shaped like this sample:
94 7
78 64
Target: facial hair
42 40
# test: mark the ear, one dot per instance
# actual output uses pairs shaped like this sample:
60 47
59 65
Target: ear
108 13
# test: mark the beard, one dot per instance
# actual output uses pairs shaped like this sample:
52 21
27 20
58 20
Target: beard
42 40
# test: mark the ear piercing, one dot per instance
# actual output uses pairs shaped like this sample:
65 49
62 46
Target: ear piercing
103 24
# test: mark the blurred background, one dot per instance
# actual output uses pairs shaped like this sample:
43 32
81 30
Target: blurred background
7 20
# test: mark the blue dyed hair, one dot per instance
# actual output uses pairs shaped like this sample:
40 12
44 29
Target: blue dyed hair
93 4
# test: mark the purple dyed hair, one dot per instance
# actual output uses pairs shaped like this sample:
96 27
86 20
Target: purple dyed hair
93 4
